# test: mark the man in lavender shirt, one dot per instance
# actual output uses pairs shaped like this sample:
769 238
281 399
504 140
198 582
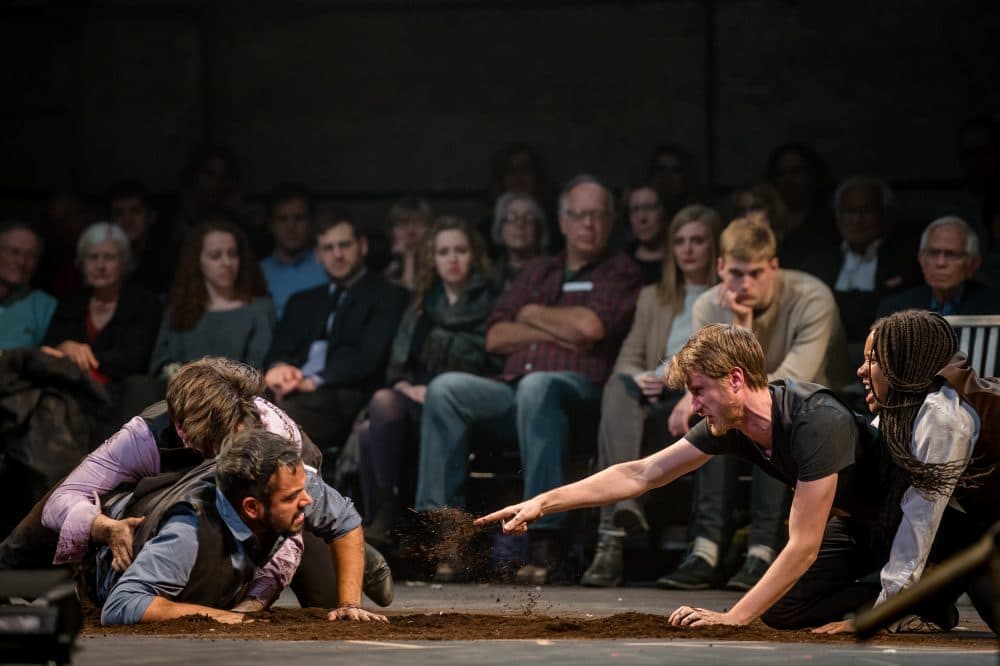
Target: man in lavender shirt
206 400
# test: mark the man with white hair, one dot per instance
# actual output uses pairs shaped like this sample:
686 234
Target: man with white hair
873 259
949 257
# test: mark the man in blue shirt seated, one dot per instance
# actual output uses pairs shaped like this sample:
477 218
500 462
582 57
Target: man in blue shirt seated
204 537
24 312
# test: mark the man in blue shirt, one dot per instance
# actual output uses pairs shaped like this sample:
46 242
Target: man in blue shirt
24 312
204 537
292 266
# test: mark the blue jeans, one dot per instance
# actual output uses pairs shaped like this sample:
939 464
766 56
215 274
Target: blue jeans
540 407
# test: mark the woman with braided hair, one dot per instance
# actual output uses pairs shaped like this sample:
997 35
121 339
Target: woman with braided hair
939 422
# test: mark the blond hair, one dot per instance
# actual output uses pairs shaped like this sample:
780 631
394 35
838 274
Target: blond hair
671 286
714 351
748 239
211 398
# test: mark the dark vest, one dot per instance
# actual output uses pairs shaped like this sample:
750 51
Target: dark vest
858 486
214 580
983 394
174 456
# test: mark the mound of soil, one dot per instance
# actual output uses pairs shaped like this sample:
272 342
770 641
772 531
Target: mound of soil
310 624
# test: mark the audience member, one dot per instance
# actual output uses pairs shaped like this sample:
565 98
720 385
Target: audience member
24 312
647 231
442 330
108 327
408 221
804 182
332 342
794 316
874 260
635 401
520 232
559 327
292 267
759 200
977 145
672 171
66 215
518 167
218 303
204 538
949 257
154 256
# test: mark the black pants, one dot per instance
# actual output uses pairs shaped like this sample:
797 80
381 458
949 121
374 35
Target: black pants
843 579
393 426
326 414
315 581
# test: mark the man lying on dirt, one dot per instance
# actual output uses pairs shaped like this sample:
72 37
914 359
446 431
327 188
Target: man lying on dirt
797 432
205 536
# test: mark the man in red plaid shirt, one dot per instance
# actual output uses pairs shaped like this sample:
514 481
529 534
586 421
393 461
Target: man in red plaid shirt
559 327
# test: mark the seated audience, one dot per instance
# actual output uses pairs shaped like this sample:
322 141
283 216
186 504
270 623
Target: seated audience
647 230
559 327
804 183
409 219
759 199
154 256
109 326
874 260
204 538
518 167
673 173
331 345
442 330
24 312
635 399
519 231
67 214
292 267
949 257
794 316
218 303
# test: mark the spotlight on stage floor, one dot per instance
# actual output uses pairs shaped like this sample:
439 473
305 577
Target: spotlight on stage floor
42 629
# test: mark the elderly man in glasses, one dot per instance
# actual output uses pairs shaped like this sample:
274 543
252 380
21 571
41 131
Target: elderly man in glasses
949 257
558 327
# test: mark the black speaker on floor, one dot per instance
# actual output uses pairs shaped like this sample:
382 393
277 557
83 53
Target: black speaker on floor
45 629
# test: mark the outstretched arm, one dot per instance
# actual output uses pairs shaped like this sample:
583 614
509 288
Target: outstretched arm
618 482
811 505
348 553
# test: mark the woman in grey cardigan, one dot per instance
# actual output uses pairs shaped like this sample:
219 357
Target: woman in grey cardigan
635 398
218 303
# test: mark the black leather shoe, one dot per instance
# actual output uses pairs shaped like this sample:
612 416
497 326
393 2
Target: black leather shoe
377 581
748 575
631 519
606 569
694 573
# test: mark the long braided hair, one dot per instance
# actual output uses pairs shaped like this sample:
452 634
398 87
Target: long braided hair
910 348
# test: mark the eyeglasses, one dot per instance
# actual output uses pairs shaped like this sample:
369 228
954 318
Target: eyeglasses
524 218
596 215
943 253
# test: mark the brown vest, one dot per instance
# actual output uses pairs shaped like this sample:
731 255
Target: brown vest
983 394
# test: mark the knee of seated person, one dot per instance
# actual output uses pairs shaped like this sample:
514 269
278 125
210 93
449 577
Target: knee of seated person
382 402
447 383
535 383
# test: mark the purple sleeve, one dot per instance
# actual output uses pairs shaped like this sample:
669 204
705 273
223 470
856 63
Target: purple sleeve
128 455
277 572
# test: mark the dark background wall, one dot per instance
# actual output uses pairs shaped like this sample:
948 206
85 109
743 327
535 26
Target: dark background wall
365 100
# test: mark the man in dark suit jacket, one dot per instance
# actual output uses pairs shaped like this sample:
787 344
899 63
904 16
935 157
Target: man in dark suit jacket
871 260
949 257
331 345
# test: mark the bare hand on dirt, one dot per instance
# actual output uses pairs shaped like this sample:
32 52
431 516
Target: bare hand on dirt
842 627
514 518
686 616
228 617
118 535
355 614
